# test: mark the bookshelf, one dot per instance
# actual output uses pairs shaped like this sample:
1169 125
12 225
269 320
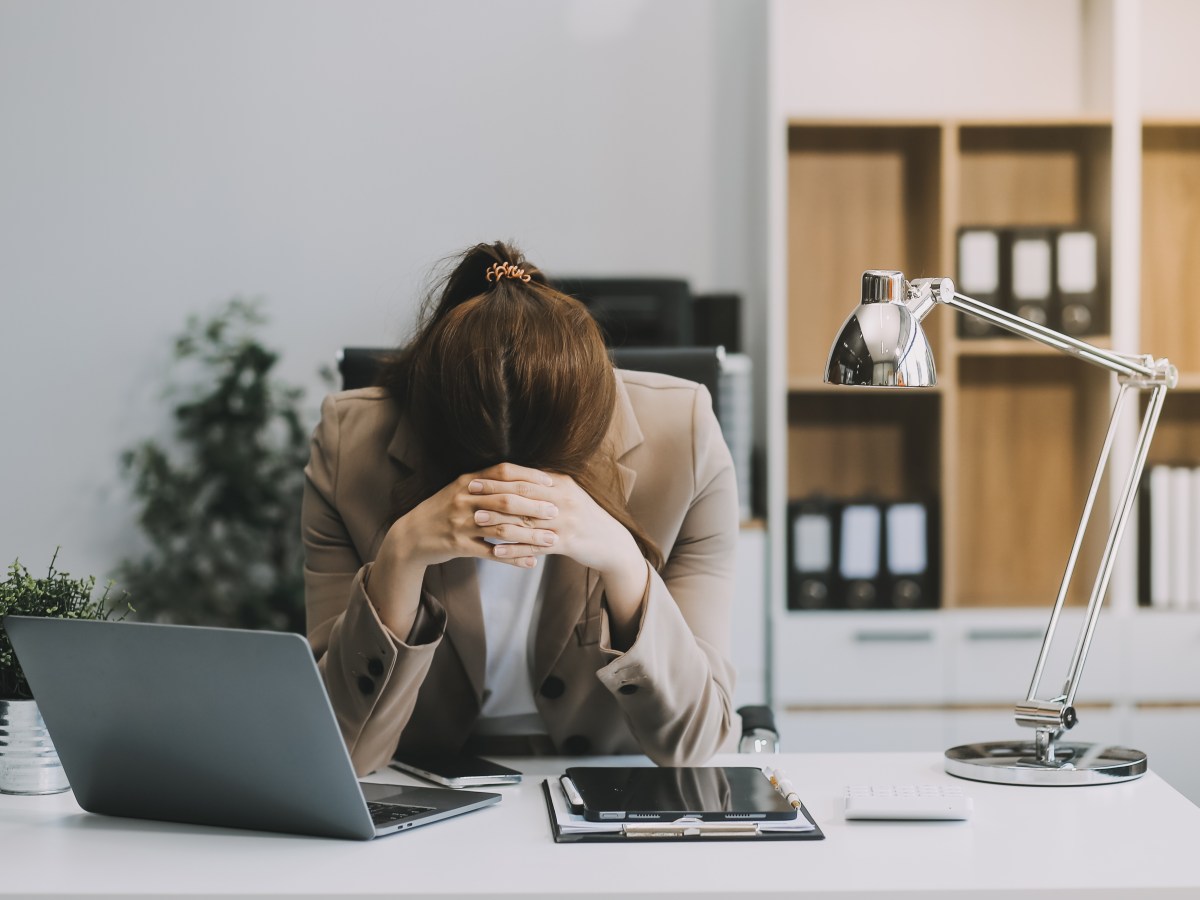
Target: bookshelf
1008 418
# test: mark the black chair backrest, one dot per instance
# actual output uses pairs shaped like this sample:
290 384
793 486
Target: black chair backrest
699 364
359 366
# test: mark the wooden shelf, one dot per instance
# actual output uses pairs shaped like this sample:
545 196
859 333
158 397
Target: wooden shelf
818 386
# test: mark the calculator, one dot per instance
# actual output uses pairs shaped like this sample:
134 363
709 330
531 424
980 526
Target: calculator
907 801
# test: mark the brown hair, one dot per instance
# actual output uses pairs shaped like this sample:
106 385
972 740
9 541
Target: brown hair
507 369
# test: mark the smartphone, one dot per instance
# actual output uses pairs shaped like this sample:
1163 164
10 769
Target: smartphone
456 771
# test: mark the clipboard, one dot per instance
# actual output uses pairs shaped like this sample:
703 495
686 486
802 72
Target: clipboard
562 821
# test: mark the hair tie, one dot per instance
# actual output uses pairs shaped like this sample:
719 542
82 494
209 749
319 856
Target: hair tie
506 270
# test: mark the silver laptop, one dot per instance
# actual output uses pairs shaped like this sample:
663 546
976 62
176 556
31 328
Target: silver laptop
212 726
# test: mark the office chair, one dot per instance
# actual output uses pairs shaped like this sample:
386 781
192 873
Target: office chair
359 367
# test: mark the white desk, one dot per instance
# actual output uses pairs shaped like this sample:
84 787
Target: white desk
1126 840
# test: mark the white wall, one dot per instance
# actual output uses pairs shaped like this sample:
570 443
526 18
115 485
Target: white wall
937 58
157 158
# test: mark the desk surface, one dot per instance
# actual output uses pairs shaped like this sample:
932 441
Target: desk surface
1126 840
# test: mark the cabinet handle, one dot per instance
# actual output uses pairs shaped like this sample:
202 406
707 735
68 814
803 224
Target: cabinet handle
1004 634
880 637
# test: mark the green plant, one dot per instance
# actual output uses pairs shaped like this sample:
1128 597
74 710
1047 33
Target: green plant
57 595
220 504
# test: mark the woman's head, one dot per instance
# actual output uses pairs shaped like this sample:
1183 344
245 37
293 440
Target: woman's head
505 368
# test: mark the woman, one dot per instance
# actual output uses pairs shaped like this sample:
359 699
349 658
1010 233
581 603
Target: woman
512 548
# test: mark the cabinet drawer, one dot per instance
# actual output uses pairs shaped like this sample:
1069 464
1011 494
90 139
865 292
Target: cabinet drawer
992 658
859 659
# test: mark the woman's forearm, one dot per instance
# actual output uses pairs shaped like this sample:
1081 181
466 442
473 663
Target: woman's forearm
624 590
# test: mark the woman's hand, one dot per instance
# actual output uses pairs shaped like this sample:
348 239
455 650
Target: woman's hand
448 525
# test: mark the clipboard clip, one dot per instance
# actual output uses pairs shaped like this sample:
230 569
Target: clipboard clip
689 827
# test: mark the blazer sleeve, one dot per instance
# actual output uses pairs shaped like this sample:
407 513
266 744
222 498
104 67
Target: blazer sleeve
372 676
675 683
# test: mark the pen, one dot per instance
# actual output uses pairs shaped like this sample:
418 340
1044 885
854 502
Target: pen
784 785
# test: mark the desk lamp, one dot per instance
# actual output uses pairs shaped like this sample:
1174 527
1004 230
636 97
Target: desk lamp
882 344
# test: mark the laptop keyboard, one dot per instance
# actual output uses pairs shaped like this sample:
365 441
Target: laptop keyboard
387 813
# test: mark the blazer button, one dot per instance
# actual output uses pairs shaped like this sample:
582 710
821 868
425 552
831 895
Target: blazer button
375 666
576 745
366 685
553 687
628 689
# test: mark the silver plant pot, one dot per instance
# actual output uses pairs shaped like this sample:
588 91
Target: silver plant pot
28 761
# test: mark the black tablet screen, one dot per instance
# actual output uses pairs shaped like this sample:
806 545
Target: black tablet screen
714 793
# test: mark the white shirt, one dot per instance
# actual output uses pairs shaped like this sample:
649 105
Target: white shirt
511 598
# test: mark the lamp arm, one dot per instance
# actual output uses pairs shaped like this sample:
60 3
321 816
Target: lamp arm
925 292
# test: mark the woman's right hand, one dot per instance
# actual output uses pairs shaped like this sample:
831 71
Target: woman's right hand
451 524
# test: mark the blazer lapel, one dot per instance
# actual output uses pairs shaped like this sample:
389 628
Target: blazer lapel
572 592
464 617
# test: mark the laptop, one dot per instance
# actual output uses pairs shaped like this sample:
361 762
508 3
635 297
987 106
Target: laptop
209 726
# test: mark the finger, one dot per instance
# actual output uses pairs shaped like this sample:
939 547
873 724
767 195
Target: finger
514 552
488 487
507 471
510 507
491 517
509 533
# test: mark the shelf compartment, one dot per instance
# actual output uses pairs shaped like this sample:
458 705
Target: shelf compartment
1170 314
859 197
860 443
1058 175
1029 432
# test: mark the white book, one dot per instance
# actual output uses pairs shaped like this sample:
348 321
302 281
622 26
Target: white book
1181 536
1160 534
1193 554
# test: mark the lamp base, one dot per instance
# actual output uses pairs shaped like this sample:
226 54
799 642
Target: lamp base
1016 762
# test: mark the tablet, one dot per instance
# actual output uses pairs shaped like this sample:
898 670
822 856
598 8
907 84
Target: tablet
663 794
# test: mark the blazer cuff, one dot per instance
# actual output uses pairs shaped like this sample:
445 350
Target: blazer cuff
428 626
661 626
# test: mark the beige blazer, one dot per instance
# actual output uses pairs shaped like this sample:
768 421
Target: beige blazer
668 696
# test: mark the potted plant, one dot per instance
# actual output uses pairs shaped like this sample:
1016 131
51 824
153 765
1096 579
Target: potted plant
28 761
219 500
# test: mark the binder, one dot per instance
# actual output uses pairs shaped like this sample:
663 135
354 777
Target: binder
909 542
1077 277
980 275
860 555
563 821
1180 537
812 541
1030 253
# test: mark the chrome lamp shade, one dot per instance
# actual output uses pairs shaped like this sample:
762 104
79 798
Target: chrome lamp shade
882 344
